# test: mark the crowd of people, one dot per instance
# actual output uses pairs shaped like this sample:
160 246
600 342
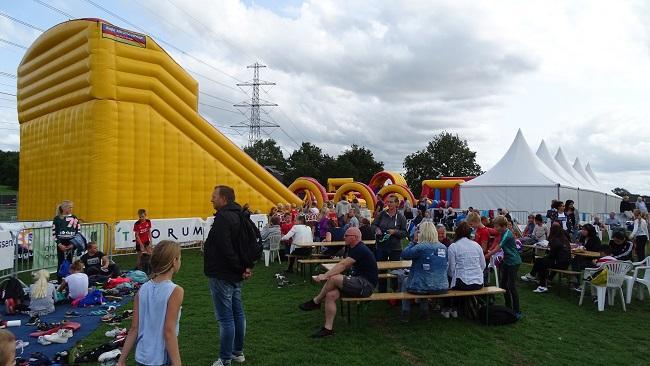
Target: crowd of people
440 263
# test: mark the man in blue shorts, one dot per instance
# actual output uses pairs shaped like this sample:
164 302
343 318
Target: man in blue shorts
360 283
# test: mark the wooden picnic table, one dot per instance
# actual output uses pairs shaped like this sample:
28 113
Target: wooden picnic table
382 266
580 252
326 244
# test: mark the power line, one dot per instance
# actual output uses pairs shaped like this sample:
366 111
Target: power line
8 94
55 9
21 22
6 74
214 106
13 44
9 99
159 39
219 37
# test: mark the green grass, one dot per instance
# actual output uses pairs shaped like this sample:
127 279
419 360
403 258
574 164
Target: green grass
554 331
7 189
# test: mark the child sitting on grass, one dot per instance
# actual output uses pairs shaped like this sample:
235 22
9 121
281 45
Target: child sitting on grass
156 341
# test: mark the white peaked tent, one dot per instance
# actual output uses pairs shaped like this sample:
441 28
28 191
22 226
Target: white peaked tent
524 181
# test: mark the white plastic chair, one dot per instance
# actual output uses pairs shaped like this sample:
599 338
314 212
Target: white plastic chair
616 272
630 281
274 247
493 267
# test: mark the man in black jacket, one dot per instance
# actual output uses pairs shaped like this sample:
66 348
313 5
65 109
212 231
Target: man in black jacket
225 272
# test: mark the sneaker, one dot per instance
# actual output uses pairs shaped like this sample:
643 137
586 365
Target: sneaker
540 289
238 358
220 362
577 289
20 344
519 316
115 332
454 313
309 305
445 313
43 341
528 277
33 320
61 336
72 314
110 355
404 317
322 333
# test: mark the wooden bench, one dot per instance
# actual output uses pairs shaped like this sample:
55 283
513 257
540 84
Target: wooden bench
385 296
565 272
310 262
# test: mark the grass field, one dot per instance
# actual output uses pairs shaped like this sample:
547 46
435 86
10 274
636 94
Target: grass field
554 331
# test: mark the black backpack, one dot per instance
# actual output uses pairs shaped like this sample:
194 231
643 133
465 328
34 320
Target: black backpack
250 241
497 315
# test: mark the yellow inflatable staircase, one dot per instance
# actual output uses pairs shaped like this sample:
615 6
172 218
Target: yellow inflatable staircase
109 120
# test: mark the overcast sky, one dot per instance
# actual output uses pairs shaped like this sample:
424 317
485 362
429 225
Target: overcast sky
389 75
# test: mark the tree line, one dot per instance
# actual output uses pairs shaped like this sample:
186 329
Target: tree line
446 154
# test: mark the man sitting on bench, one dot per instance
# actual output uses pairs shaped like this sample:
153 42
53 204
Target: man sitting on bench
360 283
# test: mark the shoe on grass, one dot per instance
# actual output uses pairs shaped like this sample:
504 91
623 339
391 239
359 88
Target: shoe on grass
322 333
115 332
221 362
577 289
445 313
528 277
454 313
309 305
238 358
540 289
110 355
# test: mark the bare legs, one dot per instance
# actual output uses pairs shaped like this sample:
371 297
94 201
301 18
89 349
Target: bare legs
330 292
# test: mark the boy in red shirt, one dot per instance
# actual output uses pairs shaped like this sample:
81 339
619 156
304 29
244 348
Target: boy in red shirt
142 230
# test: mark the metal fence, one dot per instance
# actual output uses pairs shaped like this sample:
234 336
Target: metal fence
35 248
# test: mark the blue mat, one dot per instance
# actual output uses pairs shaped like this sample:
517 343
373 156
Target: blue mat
88 324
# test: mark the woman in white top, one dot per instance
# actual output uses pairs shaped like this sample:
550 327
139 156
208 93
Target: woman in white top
640 234
300 234
466 265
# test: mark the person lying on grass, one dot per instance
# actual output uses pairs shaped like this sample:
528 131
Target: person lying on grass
360 283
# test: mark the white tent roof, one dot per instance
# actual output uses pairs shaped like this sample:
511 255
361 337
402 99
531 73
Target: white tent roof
577 165
545 156
562 161
591 173
518 167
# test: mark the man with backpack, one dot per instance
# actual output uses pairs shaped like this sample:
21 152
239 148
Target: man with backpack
229 253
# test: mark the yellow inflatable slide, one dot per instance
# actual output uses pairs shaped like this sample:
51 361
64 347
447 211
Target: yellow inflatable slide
109 120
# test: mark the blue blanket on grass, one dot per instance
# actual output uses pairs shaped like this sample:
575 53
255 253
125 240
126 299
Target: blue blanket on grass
88 325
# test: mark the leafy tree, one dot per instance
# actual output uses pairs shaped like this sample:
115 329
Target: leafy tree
9 169
307 161
446 155
267 153
358 163
621 192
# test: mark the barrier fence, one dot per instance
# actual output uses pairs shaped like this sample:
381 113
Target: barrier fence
34 247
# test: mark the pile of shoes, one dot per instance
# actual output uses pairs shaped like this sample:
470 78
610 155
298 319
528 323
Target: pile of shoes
282 280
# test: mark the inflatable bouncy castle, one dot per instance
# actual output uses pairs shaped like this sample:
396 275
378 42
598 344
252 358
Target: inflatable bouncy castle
110 121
